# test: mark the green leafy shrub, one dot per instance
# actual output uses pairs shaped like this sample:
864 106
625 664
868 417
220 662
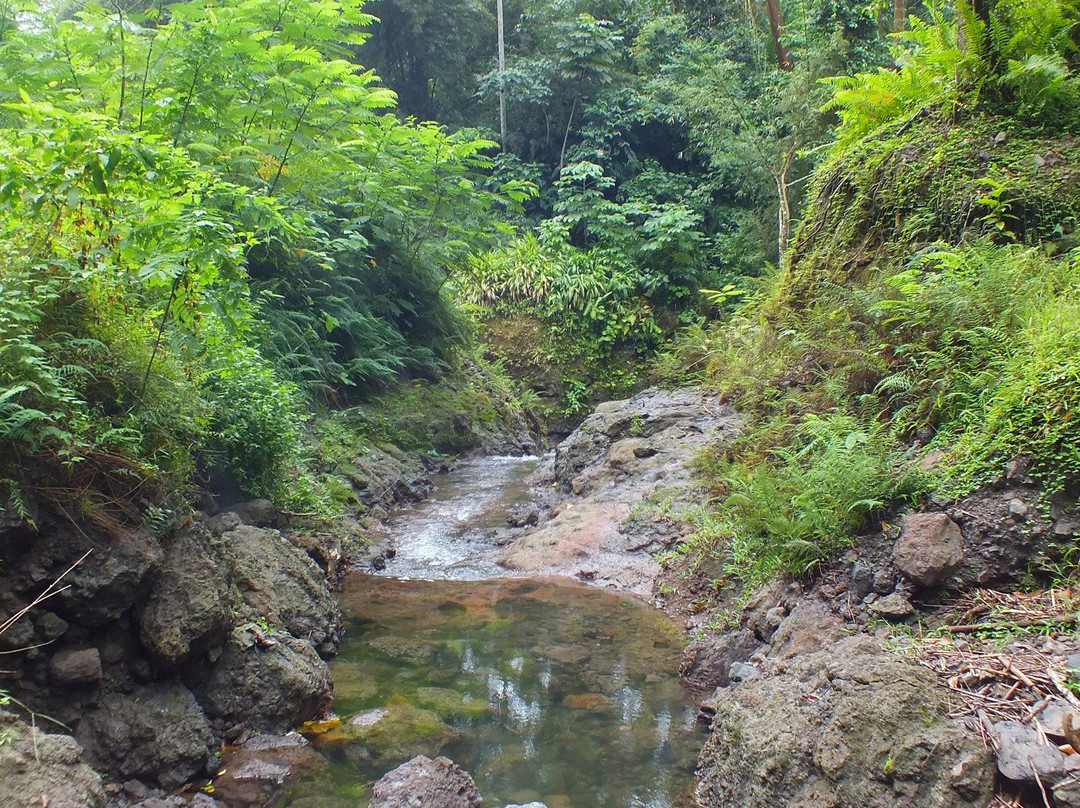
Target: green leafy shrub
799 503
256 418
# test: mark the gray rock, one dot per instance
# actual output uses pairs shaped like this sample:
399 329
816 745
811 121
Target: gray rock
1021 754
282 585
884 581
111 580
53 625
156 733
257 512
774 617
267 689
48 769
929 549
646 415
862 580
1018 508
893 607
189 609
811 627
740 672
76 667
437 783
847 726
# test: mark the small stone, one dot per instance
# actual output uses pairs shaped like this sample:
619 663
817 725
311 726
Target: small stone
884 581
1018 508
862 580
774 617
378 563
53 625
929 549
741 672
76 667
893 607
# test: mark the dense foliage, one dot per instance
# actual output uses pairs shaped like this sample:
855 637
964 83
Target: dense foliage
858 219
207 218
923 333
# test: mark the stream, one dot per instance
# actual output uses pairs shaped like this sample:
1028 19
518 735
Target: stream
542 689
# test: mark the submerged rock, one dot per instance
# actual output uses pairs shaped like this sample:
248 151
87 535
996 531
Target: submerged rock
398 731
437 783
259 769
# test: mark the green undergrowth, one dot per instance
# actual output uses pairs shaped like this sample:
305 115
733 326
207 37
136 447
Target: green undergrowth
576 326
893 358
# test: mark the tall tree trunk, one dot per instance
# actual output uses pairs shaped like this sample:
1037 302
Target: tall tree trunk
776 27
502 75
900 15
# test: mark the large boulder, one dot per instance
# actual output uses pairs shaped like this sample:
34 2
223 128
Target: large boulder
39 769
624 428
266 682
437 783
189 608
929 549
847 726
282 585
157 733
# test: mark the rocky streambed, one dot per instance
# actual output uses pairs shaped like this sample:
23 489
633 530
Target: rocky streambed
221 630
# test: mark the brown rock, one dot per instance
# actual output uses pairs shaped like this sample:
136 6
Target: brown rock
929 549
76 667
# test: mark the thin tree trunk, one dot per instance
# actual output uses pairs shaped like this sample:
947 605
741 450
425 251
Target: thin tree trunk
502 72
783 214
776 28
566 135
123 66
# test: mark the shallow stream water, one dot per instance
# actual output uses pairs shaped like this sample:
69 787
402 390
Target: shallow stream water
542 689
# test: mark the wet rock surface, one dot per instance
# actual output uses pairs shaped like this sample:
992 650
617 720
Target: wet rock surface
626 453
437 783
257 770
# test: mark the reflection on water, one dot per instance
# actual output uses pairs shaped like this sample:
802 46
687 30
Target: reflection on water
447 536
542 691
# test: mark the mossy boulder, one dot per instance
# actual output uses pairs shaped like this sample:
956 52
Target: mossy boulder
397 732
